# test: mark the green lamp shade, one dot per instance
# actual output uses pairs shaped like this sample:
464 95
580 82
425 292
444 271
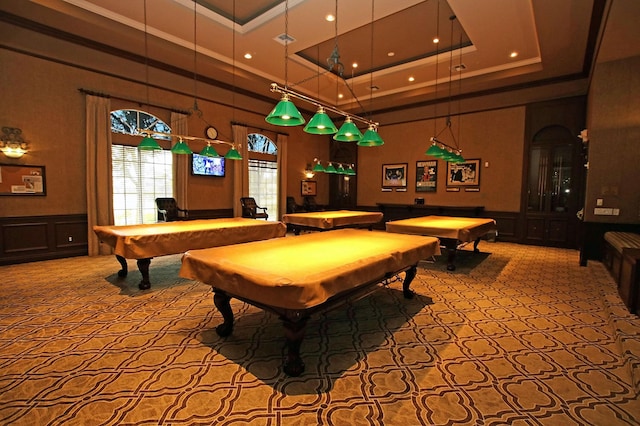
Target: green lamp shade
320 124
181 148
209 151
318 168
285 114
331 169
371 138
148 144
341 170
350 171
434 151
233 154
348 132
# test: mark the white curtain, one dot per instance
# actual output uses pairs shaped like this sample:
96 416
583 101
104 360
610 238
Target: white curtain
179 126
240 168
98 163
281 143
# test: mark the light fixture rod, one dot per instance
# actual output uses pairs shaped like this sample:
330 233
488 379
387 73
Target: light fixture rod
438 141
185 137
285 90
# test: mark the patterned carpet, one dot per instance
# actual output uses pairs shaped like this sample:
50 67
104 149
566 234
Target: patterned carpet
517 335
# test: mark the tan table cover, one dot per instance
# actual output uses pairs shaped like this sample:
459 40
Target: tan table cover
304 271
332 219
161 239
465 229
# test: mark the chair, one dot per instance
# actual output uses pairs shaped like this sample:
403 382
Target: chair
310 204
168 210
251 210
293 207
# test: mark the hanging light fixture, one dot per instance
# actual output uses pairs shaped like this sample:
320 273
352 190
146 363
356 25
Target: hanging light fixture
371 136
438 148
320 124
147 143
209 151
348 132
181 147
285 112
233 154
331 169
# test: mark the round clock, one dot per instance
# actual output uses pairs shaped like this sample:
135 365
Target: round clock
211 133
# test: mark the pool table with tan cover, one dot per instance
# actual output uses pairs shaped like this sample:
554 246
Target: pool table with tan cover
332 219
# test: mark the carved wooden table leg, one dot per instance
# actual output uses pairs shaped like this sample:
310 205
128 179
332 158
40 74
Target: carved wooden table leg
294 333
475 245
123 264
451 246
143 266
409 275
221 300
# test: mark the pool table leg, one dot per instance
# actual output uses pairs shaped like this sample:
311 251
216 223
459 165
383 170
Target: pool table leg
475 245
409 275
451 246
123 264
143 267
222 302
294 333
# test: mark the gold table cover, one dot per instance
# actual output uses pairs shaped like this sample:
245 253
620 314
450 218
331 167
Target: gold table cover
160 239
332 219
464 229
304 271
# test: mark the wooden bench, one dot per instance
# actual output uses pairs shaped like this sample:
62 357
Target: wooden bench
621 257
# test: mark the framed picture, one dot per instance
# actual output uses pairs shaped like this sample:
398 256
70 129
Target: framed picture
22 180
426 176
394 175
308 187
464 174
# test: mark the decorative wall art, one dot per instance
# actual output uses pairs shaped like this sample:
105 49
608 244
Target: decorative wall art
308 187
426 176
394 175
466 173
22 180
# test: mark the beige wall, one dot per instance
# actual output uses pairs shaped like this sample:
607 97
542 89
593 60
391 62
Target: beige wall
47 105
613 121
495 137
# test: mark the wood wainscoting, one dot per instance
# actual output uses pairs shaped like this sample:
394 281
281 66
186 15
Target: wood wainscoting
34 238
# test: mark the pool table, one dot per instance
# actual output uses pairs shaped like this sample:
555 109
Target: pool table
295 277
453 232
332 219
143 242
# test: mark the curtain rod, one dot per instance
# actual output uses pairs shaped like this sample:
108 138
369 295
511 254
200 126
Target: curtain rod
106 95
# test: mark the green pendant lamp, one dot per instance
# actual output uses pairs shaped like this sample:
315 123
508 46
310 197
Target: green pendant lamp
318 168
181 148
331 169
285 113
434 151
233 154
209 151
371 137
149 144
341 170
348 132
350 171
320 124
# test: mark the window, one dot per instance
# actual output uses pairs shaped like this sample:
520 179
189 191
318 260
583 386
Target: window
263 172
138 177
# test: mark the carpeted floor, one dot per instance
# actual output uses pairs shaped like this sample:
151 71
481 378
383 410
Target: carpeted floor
517 335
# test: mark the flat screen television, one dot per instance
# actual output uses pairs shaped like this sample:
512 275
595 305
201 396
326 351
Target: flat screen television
207 166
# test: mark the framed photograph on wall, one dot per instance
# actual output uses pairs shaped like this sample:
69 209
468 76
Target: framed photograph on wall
394 175
426 176
466 173
308 187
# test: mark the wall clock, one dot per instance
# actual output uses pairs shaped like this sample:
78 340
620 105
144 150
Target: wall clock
211 133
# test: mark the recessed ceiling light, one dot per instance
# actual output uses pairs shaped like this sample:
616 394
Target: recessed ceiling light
330 18
391 54
513 54
436 40
248 55
411 79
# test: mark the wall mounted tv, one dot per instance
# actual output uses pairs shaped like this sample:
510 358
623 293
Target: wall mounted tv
207 166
